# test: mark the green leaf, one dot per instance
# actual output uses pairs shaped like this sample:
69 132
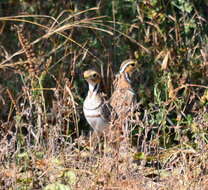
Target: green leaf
57 186
139 156
70 177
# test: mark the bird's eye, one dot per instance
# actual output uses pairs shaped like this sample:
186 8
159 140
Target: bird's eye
132 64
94 75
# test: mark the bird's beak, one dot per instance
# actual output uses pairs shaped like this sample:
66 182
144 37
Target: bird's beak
86 75
137 67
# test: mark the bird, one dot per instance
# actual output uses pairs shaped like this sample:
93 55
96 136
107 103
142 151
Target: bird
123 96
96 109
122 101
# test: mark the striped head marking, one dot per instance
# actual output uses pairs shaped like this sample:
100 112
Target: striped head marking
128 66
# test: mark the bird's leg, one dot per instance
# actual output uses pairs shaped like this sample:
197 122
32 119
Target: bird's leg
95 140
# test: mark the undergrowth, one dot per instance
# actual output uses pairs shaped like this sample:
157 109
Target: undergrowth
45 141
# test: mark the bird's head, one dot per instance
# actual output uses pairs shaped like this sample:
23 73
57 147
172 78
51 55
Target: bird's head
128 66
92 77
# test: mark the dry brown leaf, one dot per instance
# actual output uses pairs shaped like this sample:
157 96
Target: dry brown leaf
164 64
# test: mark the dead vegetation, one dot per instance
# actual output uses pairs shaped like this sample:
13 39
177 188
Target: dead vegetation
44 138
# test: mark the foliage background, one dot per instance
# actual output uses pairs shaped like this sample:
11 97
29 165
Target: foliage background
169 40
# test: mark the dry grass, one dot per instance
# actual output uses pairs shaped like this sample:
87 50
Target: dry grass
74 165
44 139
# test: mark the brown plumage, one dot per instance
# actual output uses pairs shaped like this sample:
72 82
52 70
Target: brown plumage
123 97
122 101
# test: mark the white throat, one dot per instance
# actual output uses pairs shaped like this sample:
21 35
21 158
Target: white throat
127 77
93 88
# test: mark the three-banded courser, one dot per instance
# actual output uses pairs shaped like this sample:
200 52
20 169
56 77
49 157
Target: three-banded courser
96 109
124 97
